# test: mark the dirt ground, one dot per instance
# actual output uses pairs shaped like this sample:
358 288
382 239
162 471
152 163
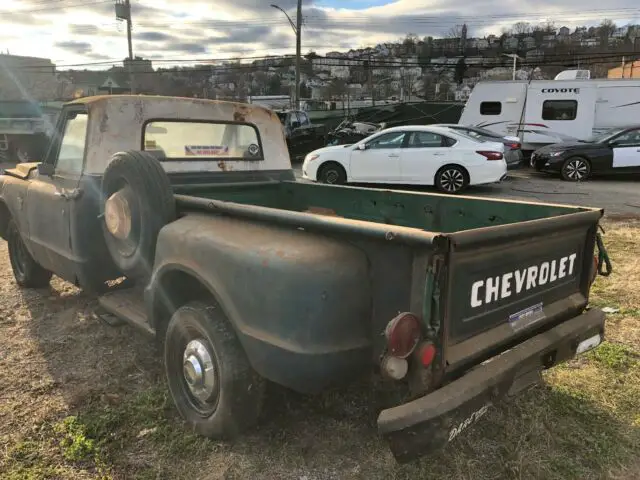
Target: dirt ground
83 400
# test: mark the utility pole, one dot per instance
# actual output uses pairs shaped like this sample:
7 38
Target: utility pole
298 51
370 71
123 12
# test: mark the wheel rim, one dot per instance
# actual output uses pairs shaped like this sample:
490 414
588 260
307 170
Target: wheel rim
200 376
452 180
576 169
331 177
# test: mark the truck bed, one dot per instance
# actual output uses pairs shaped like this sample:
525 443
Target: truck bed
425 211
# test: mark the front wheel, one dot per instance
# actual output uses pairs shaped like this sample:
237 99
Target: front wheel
27 272
212 384
575 169
451 179
332 174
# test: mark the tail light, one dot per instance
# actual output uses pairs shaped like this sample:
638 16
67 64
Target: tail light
515 146
491 155
403 334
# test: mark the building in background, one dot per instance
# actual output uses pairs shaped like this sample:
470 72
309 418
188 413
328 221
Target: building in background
628 70
27 78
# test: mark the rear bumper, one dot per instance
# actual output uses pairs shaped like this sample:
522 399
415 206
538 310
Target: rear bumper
426 424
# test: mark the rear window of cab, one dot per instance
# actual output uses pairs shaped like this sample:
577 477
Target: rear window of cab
202 140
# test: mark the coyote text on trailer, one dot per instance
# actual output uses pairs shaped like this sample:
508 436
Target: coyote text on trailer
542 112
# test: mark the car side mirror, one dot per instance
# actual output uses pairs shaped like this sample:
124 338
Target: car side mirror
46 169
362 146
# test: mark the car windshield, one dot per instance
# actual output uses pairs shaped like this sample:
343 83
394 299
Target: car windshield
604 136
282 116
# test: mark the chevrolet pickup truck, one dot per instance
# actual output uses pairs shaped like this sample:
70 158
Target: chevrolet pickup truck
247 276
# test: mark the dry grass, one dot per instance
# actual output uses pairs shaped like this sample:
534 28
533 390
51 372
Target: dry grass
79 399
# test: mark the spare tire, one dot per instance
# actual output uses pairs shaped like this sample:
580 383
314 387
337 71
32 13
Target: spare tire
137 202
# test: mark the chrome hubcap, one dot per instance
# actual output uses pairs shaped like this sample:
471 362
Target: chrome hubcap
452 180
198 370
576 169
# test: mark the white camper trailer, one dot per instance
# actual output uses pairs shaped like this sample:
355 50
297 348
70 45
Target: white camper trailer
541 112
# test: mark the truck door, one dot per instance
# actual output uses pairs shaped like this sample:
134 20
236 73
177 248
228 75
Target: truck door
50 197
556 112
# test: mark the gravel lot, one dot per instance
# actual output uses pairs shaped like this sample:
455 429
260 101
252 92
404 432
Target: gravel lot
618 197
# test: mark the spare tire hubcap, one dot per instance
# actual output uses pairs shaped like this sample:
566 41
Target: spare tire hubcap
117 215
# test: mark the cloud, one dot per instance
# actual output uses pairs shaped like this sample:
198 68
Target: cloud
187 47
79 48
82 29
74 32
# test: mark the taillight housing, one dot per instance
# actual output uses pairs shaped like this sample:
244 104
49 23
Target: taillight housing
426 353
515 146
403 334
491 155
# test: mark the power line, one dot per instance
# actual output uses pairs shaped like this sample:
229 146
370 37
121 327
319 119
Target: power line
57 7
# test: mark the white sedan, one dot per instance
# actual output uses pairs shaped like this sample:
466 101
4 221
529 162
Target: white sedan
420 155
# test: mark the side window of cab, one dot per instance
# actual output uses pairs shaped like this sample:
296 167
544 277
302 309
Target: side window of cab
68 159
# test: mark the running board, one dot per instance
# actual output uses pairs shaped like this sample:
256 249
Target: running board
127 305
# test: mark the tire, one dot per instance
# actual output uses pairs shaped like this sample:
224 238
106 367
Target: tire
332 174
26 271
234 401
144 188
451 179
575 169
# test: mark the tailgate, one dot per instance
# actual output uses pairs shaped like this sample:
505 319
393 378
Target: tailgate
509 282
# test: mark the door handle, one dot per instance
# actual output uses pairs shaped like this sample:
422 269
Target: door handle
69 194
438 154
393 155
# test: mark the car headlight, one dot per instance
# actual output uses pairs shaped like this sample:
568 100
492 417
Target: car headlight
311 157
556 154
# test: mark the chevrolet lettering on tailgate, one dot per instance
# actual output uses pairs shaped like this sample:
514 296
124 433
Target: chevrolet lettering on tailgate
492 289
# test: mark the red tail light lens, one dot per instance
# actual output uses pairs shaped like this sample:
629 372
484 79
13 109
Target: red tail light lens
426 353
515 146
403 334
491 155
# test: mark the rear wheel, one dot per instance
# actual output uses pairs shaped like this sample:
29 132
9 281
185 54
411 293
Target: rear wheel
575 169
26 271
332 174
211 381
451 179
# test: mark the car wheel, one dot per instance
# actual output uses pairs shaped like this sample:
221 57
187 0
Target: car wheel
138 203
212 384
451 179
575 169
27 272
332 174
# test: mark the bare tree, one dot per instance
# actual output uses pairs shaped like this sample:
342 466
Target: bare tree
605 31
522 28
455 32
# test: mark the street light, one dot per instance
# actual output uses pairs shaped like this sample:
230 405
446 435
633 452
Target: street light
515 58
297 27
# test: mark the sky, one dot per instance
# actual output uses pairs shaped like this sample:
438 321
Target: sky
85 32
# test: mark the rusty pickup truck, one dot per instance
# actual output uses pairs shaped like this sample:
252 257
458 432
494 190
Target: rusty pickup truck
247 276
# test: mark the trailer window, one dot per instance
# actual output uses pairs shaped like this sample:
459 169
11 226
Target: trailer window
180 140
559 109
490 108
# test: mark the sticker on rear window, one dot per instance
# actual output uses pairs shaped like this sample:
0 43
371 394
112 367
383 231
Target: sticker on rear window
205 150
526 317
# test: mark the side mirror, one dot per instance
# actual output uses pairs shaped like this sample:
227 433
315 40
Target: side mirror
362 146
46 169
